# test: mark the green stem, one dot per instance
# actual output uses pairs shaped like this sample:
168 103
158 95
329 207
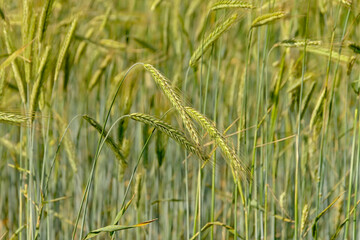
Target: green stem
298 137
89 182
351 177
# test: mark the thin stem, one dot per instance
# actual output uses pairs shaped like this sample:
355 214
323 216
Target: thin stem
351 177
298 138
89 182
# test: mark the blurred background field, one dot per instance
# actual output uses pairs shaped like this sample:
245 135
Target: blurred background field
275 150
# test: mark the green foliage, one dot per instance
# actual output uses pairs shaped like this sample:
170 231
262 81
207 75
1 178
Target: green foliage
97 104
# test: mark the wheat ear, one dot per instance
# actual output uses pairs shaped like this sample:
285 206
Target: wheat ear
13 118
173 133
239 168
211 38
109 140
231 4
175 100
267 18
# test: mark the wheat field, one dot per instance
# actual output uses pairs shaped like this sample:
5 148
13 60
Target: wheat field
170 119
